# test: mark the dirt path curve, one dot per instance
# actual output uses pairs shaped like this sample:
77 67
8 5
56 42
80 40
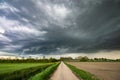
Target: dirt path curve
63 73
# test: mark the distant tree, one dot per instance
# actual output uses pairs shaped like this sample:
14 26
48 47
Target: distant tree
79 57
84 59
66 58
52 60
118 60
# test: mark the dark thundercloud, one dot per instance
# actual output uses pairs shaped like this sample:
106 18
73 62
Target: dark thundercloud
59 26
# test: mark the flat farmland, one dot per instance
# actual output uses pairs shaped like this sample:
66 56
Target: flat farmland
102 70
22 71
10 67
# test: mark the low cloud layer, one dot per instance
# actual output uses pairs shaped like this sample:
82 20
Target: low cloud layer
59 26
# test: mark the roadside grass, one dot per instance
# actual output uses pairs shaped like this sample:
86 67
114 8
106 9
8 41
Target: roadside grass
83 75
10 67
23 74
45 75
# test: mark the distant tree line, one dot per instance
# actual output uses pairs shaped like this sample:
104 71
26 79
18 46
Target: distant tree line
86 59
29 60
45 60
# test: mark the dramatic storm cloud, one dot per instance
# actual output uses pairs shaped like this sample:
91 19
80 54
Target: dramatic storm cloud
59 26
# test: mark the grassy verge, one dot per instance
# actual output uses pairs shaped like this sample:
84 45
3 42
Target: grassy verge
23 74
45 75
82 74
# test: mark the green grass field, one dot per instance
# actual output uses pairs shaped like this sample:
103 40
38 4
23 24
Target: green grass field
21 71
10 67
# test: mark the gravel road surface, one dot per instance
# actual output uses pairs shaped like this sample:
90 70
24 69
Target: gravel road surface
63 73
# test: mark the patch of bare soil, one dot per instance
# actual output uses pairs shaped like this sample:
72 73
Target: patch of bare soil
102 70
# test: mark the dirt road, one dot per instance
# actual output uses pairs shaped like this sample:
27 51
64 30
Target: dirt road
63 73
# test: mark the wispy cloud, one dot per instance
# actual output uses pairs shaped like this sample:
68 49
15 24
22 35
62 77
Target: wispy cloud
8 8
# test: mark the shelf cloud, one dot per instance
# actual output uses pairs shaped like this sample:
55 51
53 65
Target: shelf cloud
59 26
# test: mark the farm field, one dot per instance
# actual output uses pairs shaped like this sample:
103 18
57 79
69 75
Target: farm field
10 67
22 71
102 70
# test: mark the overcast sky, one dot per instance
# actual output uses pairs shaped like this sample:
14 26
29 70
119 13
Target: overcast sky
50 27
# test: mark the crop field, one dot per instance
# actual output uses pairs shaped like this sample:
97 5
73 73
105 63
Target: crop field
102 70
10 67
24 71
